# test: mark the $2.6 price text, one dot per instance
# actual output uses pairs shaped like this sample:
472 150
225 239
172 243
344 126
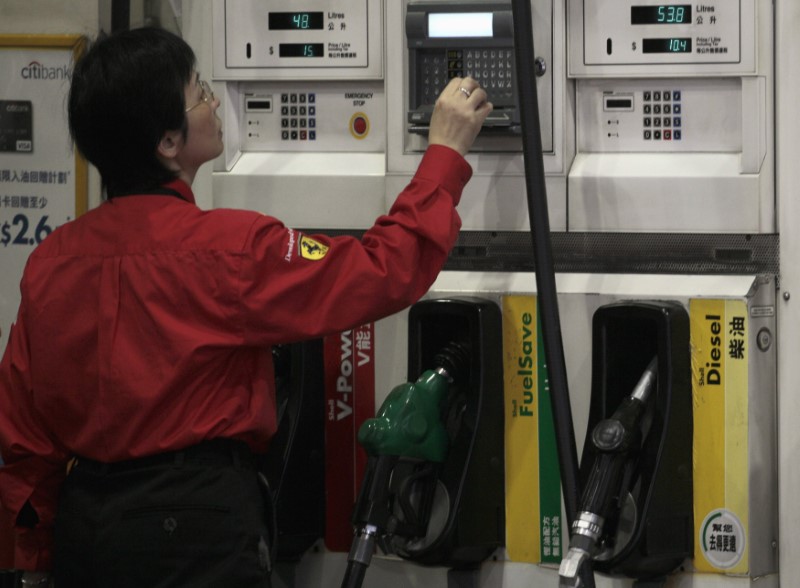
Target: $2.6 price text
24 230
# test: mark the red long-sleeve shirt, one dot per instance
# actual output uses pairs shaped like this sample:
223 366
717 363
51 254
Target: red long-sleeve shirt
145 325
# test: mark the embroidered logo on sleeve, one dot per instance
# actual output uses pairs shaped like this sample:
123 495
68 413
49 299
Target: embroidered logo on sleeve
311 249
290 245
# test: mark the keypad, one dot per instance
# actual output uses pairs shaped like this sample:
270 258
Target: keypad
662 111
298 116
493 68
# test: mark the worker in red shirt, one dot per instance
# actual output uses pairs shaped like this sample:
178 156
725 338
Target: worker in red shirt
141 353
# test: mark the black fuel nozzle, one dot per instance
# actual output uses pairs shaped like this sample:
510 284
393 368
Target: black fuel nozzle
617 441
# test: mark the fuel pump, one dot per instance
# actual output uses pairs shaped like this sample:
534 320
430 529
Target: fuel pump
433 492
635 514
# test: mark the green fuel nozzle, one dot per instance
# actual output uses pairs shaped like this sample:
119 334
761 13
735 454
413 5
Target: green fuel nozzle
408 423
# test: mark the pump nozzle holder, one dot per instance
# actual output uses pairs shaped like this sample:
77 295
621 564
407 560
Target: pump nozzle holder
454 360
617 441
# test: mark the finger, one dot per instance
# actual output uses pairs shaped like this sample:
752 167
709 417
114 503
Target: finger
466 87
465 92
485 109
469 84
453 85
478 95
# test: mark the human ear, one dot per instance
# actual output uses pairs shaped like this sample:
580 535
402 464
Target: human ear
170 144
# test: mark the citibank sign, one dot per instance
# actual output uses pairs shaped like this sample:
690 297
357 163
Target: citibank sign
37 71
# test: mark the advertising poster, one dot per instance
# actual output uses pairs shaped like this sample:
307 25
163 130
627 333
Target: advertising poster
43 183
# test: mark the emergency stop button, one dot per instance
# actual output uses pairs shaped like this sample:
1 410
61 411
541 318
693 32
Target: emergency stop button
359 125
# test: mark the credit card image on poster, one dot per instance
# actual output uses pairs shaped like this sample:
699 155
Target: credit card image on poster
16 126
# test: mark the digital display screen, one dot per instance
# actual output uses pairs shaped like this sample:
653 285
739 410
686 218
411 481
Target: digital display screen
295 21
460 24
661 14
674 45
300 50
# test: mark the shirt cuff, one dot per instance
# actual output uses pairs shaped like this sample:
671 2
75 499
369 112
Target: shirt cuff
33 549
446 167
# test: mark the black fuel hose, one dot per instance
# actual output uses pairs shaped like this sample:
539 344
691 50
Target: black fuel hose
354 575
525 59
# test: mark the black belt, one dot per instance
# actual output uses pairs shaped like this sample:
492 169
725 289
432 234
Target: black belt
216 452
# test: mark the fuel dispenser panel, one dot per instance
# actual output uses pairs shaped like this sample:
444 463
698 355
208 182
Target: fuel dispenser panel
665 32
608 67
661 115
430 41
303 105
298 116
322 39
674 111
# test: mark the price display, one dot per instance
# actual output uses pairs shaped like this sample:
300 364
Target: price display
295 21
23 230
301 50
661 14
675 45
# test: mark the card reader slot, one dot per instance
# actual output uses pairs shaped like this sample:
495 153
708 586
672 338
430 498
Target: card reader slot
504 120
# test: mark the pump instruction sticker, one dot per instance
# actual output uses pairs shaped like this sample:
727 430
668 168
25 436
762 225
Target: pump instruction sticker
719 335
533 483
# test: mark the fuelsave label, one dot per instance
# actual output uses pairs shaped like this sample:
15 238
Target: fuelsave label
533 487
719 337
349 401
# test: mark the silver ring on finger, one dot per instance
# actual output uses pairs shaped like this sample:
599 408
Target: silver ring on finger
466 92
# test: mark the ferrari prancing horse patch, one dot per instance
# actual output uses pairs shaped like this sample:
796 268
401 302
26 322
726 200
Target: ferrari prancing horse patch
311 249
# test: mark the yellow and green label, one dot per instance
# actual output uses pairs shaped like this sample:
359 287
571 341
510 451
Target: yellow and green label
533 487
719 336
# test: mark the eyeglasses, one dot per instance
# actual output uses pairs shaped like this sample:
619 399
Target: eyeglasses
206 96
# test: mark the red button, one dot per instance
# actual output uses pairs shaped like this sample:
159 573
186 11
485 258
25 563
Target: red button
360 125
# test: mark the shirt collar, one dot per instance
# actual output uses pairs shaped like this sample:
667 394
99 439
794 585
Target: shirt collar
175 188
182 189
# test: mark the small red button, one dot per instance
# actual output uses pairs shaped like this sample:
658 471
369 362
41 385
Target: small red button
360 125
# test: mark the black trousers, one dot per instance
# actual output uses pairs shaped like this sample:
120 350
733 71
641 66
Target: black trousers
200 517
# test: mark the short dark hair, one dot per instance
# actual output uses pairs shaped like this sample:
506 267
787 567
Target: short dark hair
127 91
